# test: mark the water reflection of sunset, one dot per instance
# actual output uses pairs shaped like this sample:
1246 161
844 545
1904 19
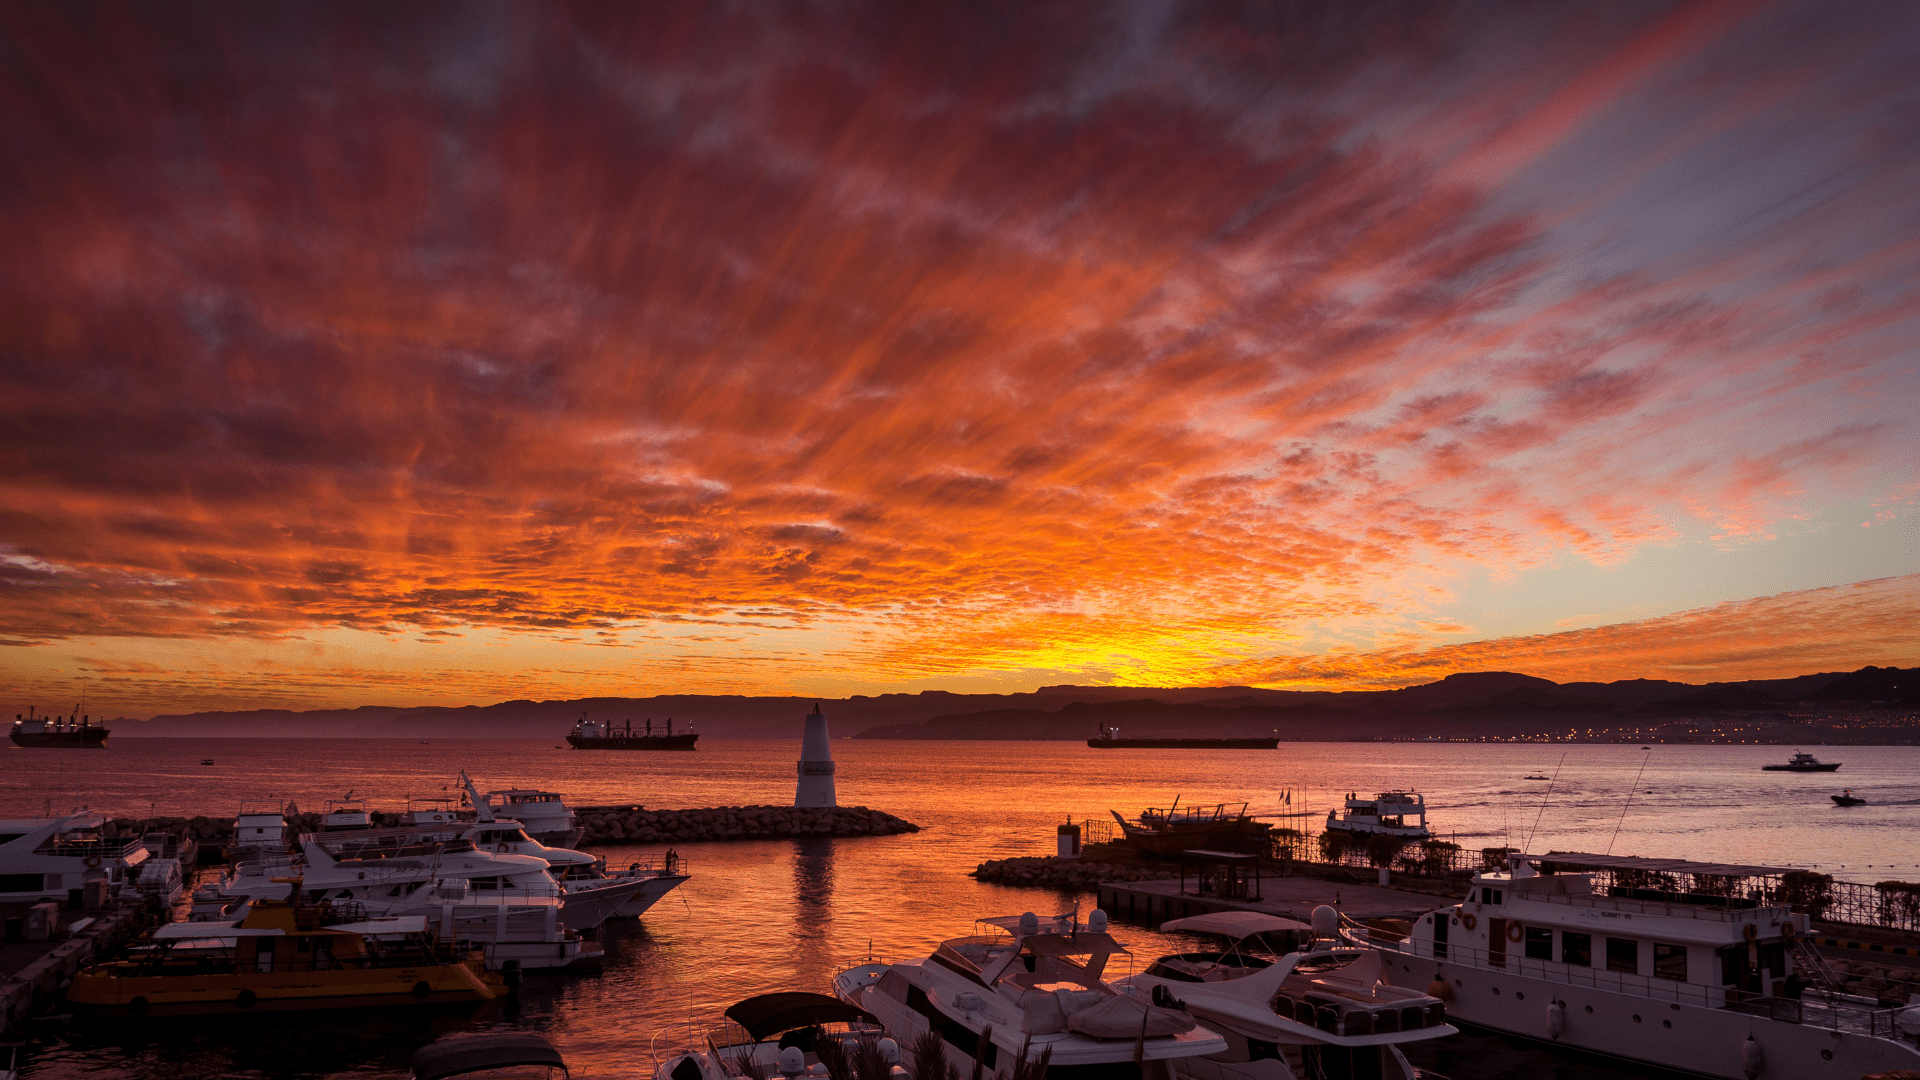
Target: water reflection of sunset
437 355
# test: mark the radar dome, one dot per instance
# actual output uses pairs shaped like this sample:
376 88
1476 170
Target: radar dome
1326 922
793 1061
1097 922
1029 924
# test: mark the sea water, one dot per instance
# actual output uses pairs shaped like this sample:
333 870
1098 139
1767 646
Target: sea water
760 916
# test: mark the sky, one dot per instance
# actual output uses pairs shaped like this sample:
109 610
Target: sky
449 354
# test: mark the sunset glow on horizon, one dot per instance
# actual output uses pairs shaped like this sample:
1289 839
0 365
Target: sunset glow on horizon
454 354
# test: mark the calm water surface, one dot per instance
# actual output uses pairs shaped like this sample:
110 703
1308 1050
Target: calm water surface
768 915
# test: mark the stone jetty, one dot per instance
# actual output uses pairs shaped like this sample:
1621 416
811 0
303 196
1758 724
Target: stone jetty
638 825
1045 872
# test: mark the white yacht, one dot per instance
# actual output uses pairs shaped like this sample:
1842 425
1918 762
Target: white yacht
1289 1007
544 813
1040 986
159 879
1385 814
49 857
346 815
259 833
780 1034
1706 984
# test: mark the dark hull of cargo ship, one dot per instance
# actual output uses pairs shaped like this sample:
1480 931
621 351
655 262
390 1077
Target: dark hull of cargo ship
87 738
1183 744
633 742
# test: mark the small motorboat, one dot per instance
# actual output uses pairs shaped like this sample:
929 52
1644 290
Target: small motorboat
1802 762
1846 798
206 761
1536 778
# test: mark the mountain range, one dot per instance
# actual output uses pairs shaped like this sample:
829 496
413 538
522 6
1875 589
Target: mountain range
1464 704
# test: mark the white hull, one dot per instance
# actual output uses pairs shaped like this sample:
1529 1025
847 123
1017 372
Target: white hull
649 894
1666 1034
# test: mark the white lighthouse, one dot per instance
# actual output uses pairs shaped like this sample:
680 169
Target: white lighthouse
816 764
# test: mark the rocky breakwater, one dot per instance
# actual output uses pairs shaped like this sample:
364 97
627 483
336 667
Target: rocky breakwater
1046 872
642 826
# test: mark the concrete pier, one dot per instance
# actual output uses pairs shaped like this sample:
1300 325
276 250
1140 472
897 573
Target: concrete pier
33 972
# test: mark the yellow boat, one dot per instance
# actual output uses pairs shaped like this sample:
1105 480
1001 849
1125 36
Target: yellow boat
284 956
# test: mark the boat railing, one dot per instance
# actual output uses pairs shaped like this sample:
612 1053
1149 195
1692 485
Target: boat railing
103 849
1838 1012
1763 916
652 866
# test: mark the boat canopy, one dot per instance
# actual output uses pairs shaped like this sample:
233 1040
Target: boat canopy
1669 866
398 924
456 1055
183 930
1233 924
771 1014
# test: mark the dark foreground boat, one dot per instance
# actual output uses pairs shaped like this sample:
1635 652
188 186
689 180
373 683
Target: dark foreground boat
58 731
594 735
1847 798
1110 740
1802 763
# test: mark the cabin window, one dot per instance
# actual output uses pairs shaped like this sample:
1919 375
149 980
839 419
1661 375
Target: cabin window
1489 896
1623 954
1773 957
1576 948
486 882
10 837
1539 943
1670 962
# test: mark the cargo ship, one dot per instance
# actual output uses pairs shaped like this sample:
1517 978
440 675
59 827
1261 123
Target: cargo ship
595 735
1110 739
79 731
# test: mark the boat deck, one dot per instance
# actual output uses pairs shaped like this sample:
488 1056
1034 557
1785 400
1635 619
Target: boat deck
1154 902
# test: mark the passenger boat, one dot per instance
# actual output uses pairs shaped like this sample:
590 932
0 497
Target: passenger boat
346 815
1385 814
782 1034
1699 983
51 731
284 956
1109 739
1026 987
544 814
1803 762
598 735
50 857
1167 833
1289 1006
259 833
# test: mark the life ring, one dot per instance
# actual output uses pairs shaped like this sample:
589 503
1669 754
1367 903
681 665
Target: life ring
422 990
1514 932
92 861
1750 932
1467 920
1788 930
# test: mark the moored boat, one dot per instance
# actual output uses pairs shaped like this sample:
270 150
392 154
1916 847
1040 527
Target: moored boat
1707 983
1803 762
1291 1002
284 956
1029 987
782 1034
1167 833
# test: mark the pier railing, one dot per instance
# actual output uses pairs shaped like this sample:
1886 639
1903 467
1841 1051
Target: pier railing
1888 905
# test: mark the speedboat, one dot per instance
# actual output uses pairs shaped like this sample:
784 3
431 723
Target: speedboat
1698 982
1024 988
785 1034
1803 762
1289 1008
1847 798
